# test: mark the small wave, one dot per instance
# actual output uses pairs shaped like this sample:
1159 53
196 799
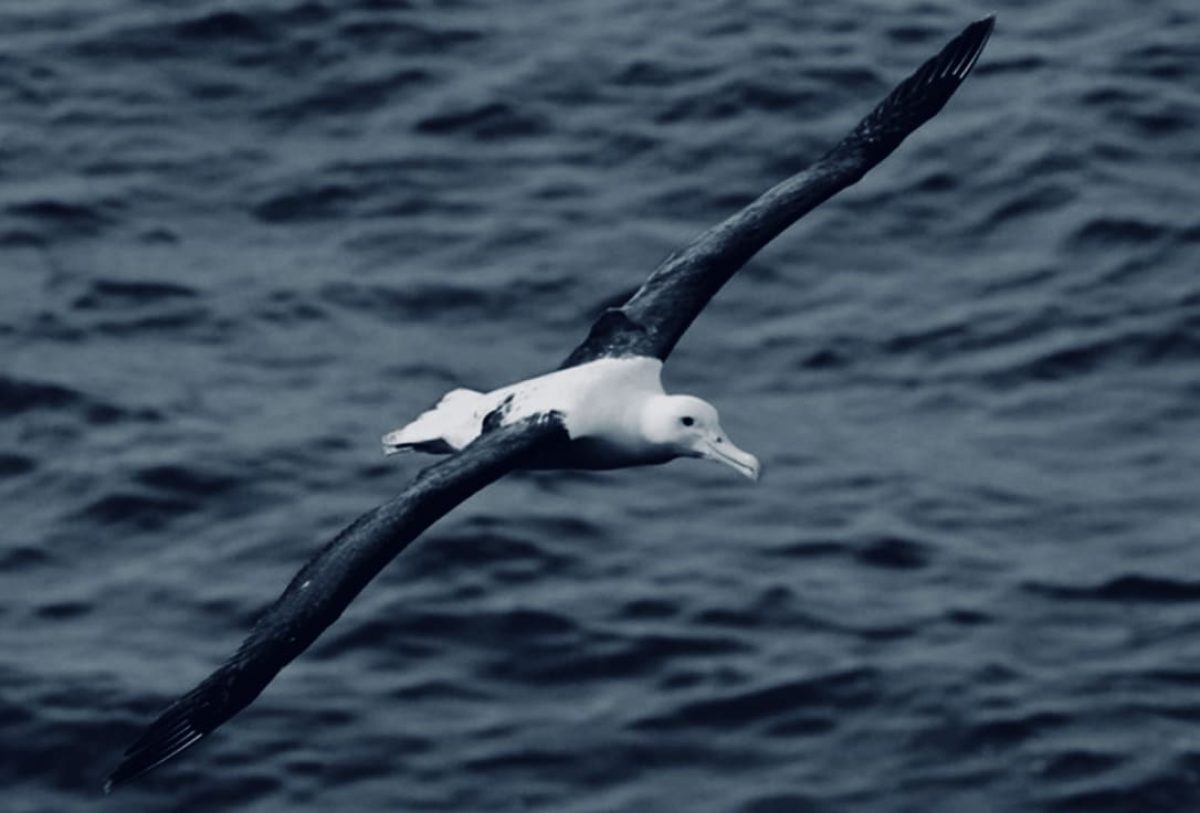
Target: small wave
827 358
14 465
734 96
327 201
1079 763
61 717
421 632
844 689
1024 64
428 301
434 689
774 607
1187 678
967 616
347 96
486 121
222 27
143 511
655 74
893 552
526 623
1163 120
526 759
784 803
483 549
18 396
1171 788
1010 730
52 220
1169 342
809 549
63 610
384 638
1160 60
1112 231
196 319
188 480
646 608
913 32
1035 201
1128 588
224 33
886 551
109 293
939 339
23 557
407 36
610 658
288 308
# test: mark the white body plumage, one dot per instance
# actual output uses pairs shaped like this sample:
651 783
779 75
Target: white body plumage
615 411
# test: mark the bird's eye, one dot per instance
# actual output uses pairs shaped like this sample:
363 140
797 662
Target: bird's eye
687 420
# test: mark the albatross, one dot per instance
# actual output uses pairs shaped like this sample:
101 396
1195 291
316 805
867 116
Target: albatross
604 407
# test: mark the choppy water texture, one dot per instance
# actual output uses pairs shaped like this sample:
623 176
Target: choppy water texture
239 241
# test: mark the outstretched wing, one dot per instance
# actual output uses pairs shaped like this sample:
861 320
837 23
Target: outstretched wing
328 583
654 319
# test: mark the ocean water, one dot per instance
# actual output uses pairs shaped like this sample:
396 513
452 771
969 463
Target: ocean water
240 241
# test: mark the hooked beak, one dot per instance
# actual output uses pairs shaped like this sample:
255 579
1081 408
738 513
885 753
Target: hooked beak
722 451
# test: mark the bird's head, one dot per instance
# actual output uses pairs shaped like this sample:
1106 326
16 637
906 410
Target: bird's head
689 427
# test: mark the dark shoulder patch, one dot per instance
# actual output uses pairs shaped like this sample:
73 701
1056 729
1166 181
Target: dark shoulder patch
613 335
495 419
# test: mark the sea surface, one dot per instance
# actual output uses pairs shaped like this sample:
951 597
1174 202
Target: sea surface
241 240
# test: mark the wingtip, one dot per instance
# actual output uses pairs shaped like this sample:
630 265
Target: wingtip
971 41
120 775
976 33
984 26
979 31
169 735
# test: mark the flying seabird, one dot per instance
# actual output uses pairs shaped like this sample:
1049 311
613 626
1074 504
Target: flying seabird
604 407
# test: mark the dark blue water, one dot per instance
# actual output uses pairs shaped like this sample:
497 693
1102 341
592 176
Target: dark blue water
239 241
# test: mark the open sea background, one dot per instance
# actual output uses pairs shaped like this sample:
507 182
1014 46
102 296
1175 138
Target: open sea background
239 241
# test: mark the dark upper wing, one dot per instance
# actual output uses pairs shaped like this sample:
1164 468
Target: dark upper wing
652 321
327 584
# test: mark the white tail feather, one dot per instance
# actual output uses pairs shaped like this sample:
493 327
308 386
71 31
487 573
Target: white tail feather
452 421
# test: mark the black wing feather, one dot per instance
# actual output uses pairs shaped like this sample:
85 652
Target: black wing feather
324 587
654 319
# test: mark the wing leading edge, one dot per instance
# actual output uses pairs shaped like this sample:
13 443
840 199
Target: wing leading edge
324 587
653 320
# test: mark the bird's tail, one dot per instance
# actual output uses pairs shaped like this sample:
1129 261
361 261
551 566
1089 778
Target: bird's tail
446 428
